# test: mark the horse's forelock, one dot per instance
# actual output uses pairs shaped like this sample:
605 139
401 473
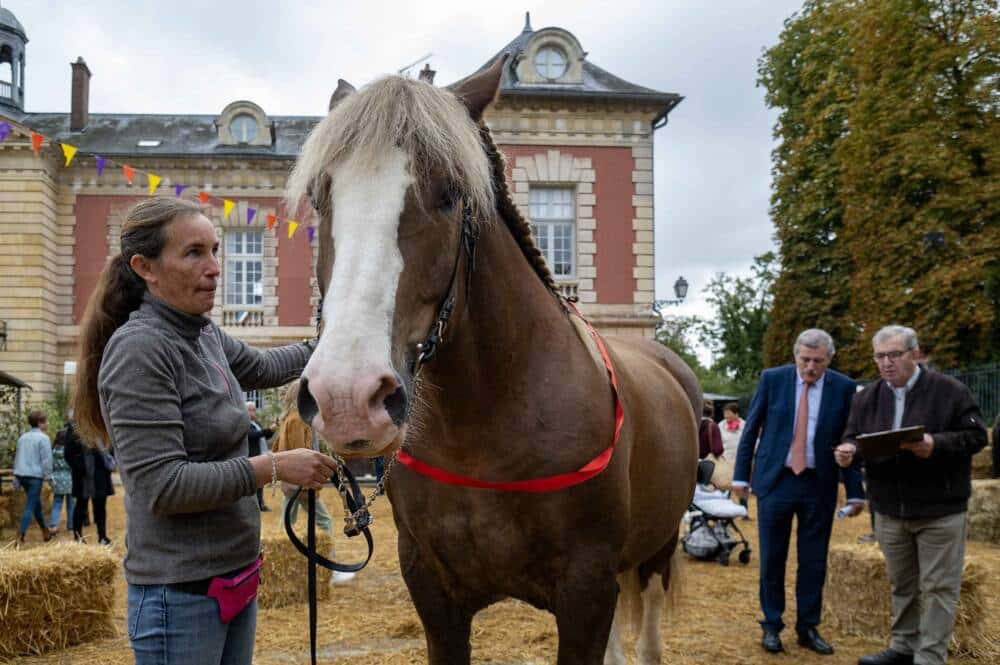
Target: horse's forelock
429 124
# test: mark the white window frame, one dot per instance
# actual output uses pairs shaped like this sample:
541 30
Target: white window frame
552 211
249 122
235 295
544 62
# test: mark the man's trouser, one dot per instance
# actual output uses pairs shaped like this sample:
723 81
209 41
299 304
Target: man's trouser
923 559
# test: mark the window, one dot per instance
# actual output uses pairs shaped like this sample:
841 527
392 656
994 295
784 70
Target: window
553 224
550 62
243 128
244 268
255 396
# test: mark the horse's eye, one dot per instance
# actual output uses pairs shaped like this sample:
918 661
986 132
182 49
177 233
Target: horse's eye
448 199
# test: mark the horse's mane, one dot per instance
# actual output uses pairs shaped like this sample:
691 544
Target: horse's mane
435 131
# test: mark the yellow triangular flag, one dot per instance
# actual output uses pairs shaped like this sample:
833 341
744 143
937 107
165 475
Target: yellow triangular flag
68 152
227 207
154 182
291 228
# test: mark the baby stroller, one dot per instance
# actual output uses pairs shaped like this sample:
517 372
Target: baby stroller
710 517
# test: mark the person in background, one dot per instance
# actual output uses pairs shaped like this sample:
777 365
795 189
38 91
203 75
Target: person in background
294 433
709 437
32 467
92 467
164 385
731 429
799 412
257 442
62 483
920 495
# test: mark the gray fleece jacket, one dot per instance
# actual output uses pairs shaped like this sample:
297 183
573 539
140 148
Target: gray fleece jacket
170 389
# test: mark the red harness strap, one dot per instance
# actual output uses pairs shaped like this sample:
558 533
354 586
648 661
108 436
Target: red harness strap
548 483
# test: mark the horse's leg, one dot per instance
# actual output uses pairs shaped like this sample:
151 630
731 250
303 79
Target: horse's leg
663 576
447 624
585 608
613 653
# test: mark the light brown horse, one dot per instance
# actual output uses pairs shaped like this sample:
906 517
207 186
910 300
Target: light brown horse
510 391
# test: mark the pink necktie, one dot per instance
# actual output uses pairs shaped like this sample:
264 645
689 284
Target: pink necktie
801 432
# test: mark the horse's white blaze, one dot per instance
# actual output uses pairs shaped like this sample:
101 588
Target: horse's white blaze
367 201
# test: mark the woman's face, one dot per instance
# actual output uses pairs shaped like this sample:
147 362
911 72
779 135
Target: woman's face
730 416
186 273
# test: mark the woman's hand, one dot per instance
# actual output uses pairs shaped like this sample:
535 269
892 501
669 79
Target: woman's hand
307 468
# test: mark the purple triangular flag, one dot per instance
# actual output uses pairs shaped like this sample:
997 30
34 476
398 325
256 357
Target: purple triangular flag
250 213
101 163
4 131
178 189
311 231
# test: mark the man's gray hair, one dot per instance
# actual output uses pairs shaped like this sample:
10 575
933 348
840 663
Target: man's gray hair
814 338
250 403
909 336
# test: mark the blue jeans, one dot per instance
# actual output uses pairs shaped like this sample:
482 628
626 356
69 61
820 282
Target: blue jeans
57 503
171 627
33 506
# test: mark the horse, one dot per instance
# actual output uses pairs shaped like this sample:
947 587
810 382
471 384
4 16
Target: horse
444 340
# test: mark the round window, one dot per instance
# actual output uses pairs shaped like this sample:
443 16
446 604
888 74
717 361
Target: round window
243 128
550 62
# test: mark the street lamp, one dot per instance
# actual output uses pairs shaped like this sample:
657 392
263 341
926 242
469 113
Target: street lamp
680 290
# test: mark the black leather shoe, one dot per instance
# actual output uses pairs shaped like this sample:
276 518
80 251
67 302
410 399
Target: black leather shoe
887 657
810 639
771 642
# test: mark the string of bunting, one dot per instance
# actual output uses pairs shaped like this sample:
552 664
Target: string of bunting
152 181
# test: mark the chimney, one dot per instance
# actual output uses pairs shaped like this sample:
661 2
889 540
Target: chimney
427 74
80 104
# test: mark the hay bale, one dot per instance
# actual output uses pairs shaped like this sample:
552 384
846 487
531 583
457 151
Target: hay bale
858 600
283 579
12 506
982 463
984 511
5 517
56 596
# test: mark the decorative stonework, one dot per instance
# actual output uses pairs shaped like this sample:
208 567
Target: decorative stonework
644 270
551 167
555 124
224 121
553 38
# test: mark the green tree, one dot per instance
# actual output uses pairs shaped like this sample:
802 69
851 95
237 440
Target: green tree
679 334
735 332
885 176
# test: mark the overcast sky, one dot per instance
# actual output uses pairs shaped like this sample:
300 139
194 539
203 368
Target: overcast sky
712 167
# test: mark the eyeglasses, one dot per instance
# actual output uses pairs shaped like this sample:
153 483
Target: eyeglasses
891 355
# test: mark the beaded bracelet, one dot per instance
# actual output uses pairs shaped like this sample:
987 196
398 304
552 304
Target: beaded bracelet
274 472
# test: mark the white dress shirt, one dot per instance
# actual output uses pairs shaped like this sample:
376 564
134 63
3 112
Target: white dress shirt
900 401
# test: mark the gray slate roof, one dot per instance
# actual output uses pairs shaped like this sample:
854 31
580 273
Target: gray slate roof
9 22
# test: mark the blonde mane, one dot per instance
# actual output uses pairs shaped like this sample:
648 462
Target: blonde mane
429 124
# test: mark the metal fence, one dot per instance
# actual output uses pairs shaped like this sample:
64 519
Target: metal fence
984 382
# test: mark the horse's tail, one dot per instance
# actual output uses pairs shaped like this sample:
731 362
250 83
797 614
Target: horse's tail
630 604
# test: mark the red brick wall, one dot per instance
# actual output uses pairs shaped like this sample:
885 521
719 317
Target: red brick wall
613 190
90 250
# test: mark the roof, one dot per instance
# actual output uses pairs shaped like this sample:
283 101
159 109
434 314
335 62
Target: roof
9 22
117 134
11 380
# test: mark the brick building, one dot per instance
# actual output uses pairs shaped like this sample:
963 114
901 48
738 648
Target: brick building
579 147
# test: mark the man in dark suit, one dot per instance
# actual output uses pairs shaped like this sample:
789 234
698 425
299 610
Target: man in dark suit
799 412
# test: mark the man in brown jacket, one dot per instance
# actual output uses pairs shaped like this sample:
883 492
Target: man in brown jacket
919 495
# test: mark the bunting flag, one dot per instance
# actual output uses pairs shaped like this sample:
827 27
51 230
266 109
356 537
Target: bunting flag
271 221
178 189
312 232
4 131
101 163
291 228
154 182
203 197
250 213
129 172
68 152
36 142
227 208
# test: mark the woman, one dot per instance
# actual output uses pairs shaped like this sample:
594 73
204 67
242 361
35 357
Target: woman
32 466
62 483
731 428
92 467
162 383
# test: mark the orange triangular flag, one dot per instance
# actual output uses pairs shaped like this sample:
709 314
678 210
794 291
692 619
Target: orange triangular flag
154 182
203 197
36 142
68 152
271 221
291 228
227 208
129 173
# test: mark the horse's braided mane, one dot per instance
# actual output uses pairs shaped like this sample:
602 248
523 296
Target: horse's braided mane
512 217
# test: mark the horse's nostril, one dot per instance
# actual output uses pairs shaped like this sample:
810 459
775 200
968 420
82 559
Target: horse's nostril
307 405
395 405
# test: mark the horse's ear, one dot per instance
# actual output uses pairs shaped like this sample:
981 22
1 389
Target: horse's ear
343 90
479 90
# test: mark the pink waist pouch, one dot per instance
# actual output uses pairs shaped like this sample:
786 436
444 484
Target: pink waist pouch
233 594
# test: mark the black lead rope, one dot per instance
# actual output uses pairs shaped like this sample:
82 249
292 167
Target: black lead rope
359 526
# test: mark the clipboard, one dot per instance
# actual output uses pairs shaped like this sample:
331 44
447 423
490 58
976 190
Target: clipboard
886 444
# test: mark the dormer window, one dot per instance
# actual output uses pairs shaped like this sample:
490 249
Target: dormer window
550 62
243 128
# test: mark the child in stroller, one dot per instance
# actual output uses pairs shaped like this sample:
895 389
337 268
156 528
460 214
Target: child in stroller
710 517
